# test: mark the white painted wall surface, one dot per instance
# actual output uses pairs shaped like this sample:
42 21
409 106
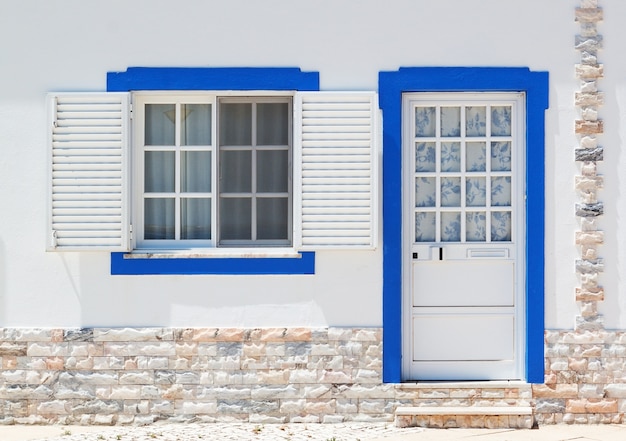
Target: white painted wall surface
70 45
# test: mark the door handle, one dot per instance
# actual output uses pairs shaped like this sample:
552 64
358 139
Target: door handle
440 253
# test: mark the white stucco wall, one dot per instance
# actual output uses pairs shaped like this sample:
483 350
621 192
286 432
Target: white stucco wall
53 45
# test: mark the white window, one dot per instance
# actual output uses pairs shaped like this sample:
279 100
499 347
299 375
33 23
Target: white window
213 170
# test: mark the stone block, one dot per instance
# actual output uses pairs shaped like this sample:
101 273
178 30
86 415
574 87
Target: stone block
588 72
585 99
555 391
590 210
589 15
583 127
128 335
588 43
143 377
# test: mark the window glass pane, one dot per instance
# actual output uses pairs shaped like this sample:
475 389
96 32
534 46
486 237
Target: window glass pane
450 121
501 156
425 227
195 124
501 120
425 121
159 172
235 124
236 171
195 172
425 157
195 218
501 226
272 171
425 192
475 157
450 156
272 214
272 123
159 127
450 192
451 227
476 226
235 219
476 192
501 191
159 218
476 121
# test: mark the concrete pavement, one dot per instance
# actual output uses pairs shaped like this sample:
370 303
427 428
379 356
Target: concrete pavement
309 432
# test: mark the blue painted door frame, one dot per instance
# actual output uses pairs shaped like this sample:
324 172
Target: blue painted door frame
462 79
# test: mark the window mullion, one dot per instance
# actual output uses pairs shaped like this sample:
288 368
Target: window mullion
253 189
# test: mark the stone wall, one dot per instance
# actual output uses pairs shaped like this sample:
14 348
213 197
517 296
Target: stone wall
135 376
585 380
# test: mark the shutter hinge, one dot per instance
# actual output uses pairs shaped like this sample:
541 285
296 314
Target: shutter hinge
54 241
130 110
130 231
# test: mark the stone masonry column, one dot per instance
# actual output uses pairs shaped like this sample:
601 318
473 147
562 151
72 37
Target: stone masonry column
588 153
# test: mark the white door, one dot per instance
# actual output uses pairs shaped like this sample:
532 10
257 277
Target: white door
463 236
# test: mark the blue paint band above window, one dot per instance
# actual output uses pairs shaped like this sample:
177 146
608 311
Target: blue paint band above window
212 78
221 78
456 79
303 264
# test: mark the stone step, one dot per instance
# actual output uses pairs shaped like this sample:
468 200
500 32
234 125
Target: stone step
492 417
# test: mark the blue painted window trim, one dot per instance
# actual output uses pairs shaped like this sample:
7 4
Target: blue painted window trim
209 78
304 264
462 79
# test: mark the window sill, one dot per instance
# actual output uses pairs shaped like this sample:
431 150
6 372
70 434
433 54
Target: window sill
226 262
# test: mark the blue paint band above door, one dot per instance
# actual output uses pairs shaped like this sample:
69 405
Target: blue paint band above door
391 86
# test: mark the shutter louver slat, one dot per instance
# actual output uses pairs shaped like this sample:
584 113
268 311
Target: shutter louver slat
88 139
338 169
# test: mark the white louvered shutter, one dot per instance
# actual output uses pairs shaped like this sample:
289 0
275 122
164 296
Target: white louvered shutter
88 207
336 172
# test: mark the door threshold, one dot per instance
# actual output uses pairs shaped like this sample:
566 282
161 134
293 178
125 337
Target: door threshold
482 384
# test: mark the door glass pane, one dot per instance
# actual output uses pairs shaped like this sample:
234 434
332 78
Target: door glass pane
159 218
236 171
450 226
159 172
195 125
425 227
450 192
476 121
235 124
476 226
501 191
195 172
425 192
272 124
271 220
195 218
450 156
272 171
160 124
450 121
475 157
425 157
425 122
235 218
501 120
500 226
501 156
476 192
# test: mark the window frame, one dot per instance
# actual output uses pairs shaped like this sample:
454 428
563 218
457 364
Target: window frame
139 244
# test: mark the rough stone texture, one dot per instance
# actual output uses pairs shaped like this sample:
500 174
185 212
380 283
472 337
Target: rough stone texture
584 378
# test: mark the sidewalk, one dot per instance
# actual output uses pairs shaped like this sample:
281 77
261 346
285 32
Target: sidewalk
305 432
